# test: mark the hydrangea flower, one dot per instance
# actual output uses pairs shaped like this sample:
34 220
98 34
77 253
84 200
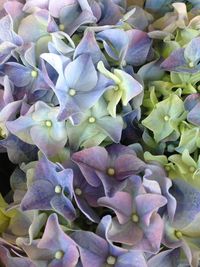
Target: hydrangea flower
183 231
185 167
78 86
96 125
184 59
40 126
110 167
50 188
131 47
166 115
55 247
137 222
124 88
95 249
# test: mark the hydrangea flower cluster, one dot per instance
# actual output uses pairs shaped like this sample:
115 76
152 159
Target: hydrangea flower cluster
99 113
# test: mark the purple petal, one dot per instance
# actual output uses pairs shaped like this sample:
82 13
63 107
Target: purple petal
112 127
88 45
38 196
152 235
132 259
128 233
121 203
18 74
139 47
64 206
176 59
168 258
55 239
147 204
93 249
81 74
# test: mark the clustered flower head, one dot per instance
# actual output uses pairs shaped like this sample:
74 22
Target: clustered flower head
99 112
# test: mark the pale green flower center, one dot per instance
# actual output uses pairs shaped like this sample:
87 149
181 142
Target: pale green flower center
62 27
191 64
59 255
34 73
166 118
116 88
91 119
78 191
111 260
111 171
58 189
178 234
72 92
135 218
48 123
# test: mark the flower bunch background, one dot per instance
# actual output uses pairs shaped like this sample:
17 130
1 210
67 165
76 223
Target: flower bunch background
100 115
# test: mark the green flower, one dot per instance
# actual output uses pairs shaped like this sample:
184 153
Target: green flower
186 168
190 138
5 215
124 88
164 120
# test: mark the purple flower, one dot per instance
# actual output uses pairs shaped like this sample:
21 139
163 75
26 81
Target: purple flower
96 251
184 59
78 86
183 232
54 249
110 167
72 14
130 47
9 40
137 223
192 104
50 189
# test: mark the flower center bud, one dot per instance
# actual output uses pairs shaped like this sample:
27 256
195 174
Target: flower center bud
116 88
111 260
34 73
72 92
111 171
59 255
191 64
78 191
91 119
48 123
135 218
62 27
58 189
178 234
192 169
166 118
